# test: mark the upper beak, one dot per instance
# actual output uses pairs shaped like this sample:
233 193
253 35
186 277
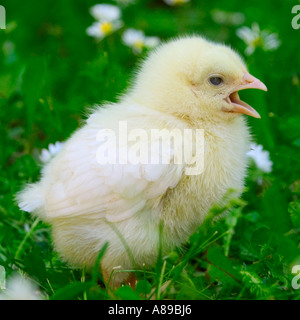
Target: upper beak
248 82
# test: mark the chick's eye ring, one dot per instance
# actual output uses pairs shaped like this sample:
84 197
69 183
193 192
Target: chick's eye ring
215 80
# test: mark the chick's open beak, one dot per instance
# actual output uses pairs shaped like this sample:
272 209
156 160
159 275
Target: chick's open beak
238 106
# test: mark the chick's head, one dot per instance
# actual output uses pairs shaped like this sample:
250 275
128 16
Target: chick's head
193 77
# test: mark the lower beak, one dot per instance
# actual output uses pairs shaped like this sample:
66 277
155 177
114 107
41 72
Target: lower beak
238 106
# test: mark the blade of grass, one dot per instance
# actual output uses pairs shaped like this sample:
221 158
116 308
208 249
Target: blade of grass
83 281
95 271
20 249
160 280
128 250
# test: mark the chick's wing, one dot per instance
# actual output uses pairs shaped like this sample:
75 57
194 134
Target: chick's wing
82 184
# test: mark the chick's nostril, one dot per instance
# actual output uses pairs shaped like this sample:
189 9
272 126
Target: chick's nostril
248 77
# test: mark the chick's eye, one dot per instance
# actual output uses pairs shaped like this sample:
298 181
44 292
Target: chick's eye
216 81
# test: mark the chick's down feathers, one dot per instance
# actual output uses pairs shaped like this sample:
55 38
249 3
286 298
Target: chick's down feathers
188 83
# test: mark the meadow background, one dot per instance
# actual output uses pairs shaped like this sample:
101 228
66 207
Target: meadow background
51 71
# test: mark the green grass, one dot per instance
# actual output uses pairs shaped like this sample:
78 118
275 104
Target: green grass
51 72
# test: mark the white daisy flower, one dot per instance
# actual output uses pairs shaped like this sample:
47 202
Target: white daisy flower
255 38
105 12
47 154
108 20
176 2
137 40
228 18
260 157
18 288
102 29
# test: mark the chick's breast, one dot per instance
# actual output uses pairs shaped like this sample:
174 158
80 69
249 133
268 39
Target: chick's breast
225 165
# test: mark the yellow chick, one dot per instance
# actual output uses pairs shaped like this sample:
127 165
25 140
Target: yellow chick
91 193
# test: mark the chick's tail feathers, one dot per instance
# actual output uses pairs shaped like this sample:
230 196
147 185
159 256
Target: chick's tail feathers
31 199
